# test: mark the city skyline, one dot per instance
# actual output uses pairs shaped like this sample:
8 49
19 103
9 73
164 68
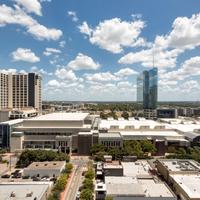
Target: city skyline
93 51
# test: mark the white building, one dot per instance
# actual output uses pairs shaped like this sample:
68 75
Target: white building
25 190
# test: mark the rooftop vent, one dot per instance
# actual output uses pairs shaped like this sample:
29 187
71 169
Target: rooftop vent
12 194
30 194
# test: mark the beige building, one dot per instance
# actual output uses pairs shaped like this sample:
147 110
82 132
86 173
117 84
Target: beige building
48 169
20 91
183 176
60 131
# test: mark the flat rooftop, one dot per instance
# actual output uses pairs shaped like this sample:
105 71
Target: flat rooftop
130 190
151 133
13 122
46 165
134 169
109 135
120 180
189 183
151 188
184 127
176 165
106 124
22 189
61 117
132 186
112 165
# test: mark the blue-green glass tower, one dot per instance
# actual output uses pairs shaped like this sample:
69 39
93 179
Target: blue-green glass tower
147 89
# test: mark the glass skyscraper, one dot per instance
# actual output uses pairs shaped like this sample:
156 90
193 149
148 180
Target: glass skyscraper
147 89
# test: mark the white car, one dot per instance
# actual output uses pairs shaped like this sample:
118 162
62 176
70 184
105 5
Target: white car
78 195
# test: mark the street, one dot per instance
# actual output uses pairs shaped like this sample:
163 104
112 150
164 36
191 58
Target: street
80 165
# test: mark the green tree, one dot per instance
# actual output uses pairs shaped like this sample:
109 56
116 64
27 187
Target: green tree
148 146
29 156
133 148
99 156
97 148
68 168
90 174
61 182
115 153
103 115
88 184
86 194
125 115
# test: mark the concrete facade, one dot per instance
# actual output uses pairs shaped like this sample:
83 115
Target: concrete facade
41 169
182 176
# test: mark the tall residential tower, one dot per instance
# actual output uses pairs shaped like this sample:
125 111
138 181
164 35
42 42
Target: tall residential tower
18 91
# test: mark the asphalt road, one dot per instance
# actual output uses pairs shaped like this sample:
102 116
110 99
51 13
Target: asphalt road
80 165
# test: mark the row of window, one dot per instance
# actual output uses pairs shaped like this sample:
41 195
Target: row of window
111 143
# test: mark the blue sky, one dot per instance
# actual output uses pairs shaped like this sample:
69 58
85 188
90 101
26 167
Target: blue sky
93 50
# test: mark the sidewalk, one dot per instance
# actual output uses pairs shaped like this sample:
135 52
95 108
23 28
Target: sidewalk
64 193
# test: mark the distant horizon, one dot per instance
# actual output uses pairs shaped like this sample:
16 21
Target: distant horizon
121 101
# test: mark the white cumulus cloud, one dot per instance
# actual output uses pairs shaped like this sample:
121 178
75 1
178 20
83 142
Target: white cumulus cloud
83 62
26 55
50 51
102 77
73 15
31 6
18 16
125 72
158 57
63 73
113 34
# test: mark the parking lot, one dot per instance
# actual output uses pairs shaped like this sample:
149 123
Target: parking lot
16 176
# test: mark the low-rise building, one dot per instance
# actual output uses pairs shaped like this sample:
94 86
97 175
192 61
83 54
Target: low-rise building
41 169
121 188
113 169
25 190
136 182
183 176
167 113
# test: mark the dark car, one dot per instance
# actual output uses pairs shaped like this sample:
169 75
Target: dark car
25 177
16 175
5 176
36 179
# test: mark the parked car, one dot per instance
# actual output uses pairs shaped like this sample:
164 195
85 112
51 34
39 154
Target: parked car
25 177
78 195
36 179
5 176
16 176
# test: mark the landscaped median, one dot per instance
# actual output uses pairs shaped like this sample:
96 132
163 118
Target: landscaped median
61 182
88 184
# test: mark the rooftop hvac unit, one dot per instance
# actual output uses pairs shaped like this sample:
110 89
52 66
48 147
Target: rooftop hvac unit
12 194
29 194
